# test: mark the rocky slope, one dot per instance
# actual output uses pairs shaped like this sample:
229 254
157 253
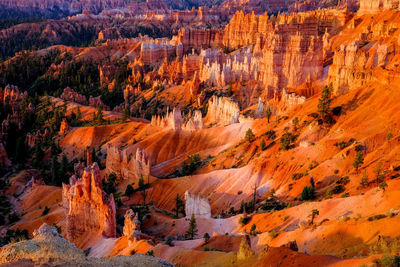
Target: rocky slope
49 248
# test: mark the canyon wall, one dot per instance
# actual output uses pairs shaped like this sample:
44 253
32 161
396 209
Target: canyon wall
90 212
197 205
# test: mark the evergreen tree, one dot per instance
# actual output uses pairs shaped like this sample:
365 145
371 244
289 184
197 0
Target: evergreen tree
383 186
54 170
295 123
379 173
364 180
78 114
268 113
249 137
99 115
125 114
206 237
192 231
262 145
358 160
313 214
129 190
63 173
324 102
179 205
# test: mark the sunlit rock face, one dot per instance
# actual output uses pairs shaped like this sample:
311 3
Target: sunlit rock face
197 205
223 110
90 212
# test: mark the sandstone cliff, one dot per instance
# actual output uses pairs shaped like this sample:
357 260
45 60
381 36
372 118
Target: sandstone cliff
90 212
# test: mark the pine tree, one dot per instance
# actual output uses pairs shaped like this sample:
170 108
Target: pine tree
313 214
358 160
379 173
206 237
54 170
192 231
249 137
268 113
324 102
295 123
262 145
64 169
364 180
179 205
125 114
78 114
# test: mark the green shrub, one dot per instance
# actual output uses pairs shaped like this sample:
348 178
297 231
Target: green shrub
308 193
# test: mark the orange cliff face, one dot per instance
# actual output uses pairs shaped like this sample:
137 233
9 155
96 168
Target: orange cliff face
90 212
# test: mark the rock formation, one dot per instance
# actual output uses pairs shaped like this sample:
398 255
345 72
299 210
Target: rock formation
289 100
90 212
223 110
96 102
131 224
49 248
197 205
64 127
173 120
260 109
35 138
154 50
70 95
127 165
12 96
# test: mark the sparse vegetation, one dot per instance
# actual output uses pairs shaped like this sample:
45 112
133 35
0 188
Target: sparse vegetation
379 173
179 206
358 161
313 214
383 186
129 190
206 238
324 104
268 113
286 141
308 193
249 137
253 230
364 179
192 231
272 234
262 145
243 220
